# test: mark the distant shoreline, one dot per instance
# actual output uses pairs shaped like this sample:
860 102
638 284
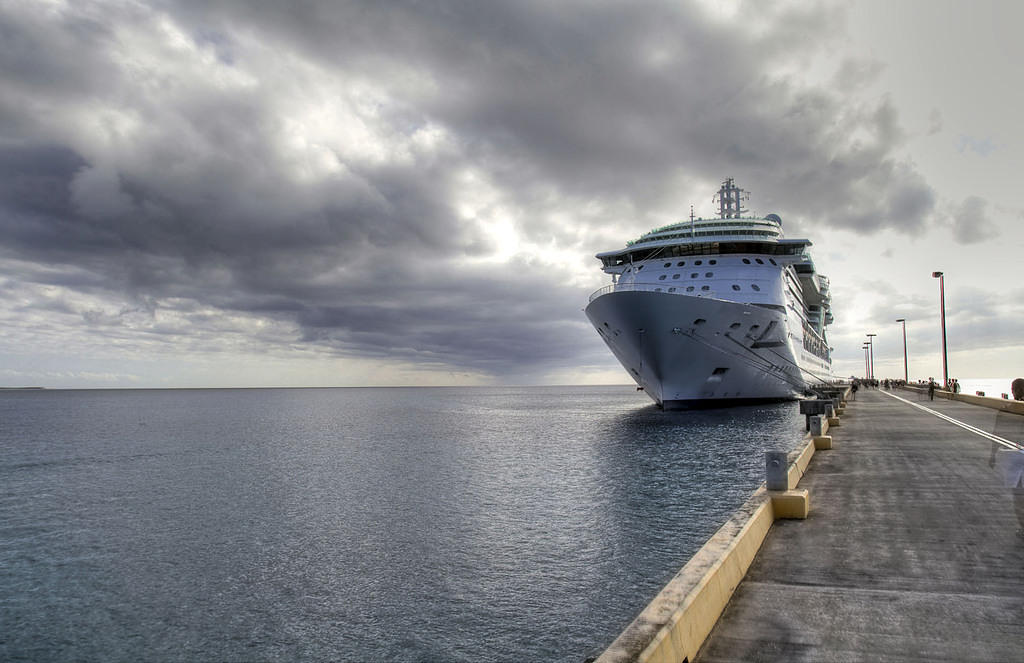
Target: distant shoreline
22 388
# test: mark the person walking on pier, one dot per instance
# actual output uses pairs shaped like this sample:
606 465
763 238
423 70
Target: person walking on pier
931 389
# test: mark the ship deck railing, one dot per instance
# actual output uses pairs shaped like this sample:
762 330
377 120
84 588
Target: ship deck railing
647 287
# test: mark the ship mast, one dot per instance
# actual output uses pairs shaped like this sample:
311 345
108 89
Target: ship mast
730 200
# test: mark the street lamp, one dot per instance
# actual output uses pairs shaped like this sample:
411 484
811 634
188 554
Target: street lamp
906 377
871 350
942 305
867 366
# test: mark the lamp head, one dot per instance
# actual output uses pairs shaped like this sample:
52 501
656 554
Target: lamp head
901 320
936 275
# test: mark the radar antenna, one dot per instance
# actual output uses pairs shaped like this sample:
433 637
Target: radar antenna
730 200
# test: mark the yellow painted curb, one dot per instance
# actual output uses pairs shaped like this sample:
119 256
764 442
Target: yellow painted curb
799 465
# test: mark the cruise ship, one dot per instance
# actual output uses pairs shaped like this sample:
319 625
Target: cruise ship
716 311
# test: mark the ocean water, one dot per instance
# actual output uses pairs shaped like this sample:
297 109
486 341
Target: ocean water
405 524
993 387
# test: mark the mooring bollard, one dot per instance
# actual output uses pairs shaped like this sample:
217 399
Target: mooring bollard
776 469
819 426
810 408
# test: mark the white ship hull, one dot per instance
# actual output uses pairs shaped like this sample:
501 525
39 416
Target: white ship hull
716 311
688 351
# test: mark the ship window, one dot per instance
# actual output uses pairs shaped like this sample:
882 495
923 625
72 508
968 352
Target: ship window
657 290
772 261
671 289
675 276
709 274
734 325
694 275
705 287
689 289
681 263
735 287
639 268
746 261
605 324
759 261
628 270
699 321
719 371
667 265
756 287
712 262
661 278
696 262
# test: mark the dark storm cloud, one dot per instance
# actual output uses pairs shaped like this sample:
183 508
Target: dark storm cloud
304 162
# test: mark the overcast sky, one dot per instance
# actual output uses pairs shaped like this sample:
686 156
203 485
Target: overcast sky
320 193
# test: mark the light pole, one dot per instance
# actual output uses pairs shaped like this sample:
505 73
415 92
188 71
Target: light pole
871 352
867 366
942 309
906 377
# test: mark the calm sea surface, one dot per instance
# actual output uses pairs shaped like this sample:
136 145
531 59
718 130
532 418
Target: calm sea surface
415 524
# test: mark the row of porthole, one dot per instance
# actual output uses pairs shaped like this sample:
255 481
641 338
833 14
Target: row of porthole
688 288
705 288
753 286
692 276
682 263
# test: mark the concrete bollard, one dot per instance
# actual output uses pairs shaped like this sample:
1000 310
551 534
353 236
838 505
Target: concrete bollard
819 427
810 408
830 414
776 469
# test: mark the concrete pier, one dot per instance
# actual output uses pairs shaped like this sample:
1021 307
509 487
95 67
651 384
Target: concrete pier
910 552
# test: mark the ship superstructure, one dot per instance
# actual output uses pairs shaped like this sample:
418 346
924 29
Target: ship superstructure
716 311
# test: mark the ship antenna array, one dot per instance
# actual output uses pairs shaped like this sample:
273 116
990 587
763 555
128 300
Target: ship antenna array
730 200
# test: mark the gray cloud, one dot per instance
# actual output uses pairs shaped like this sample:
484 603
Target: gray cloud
339 169
976 319
971 223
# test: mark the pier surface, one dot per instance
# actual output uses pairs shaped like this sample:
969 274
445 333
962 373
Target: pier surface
911 551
